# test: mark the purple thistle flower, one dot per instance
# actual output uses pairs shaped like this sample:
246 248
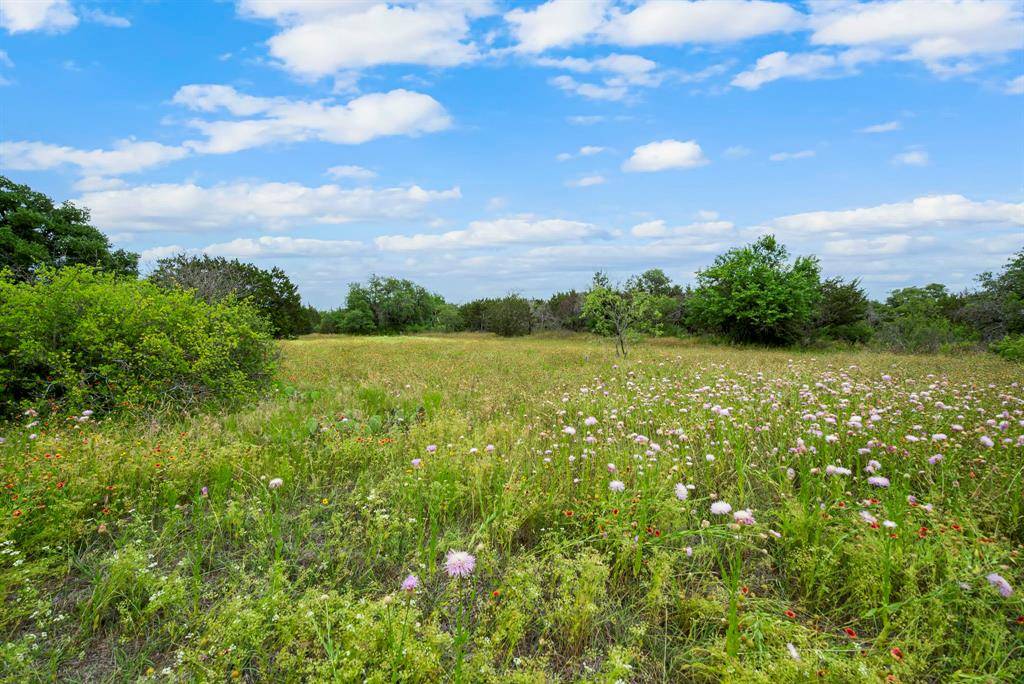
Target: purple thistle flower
411 584
1000 583
459 564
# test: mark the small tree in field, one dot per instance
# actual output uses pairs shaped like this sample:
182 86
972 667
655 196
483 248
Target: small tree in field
617 313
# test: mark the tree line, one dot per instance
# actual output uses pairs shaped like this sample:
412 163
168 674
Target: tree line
755 294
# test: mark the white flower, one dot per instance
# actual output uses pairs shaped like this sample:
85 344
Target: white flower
681 491
721 508
617 485
276 483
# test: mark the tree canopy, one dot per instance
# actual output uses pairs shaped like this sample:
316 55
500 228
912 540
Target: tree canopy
34 232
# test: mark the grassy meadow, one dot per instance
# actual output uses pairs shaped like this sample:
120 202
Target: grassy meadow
687 514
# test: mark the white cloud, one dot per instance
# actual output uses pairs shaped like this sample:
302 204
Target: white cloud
922 212
398 112
282 246
558 23
156 253
933 32
50 16
98 16
911 158
786 156
586 181
1015 86
878 246
886 127
92 183
590 90
782 64
705 228
187 207
351 171
581 120
493 233
666 154
128 156
671 22
323 38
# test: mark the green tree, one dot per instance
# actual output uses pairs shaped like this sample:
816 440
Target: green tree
392 306
509 316
753 294
35 233
617 313
213 279
842 311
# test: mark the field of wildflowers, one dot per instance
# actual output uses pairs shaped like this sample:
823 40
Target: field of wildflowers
462 508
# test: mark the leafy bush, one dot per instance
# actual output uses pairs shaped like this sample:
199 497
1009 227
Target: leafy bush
842 312
93 340
1010 347
918 319
509 316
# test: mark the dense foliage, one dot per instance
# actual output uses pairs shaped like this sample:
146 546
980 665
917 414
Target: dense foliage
214 279
80 339
752 294
34 232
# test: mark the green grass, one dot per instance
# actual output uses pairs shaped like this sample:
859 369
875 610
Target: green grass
116 566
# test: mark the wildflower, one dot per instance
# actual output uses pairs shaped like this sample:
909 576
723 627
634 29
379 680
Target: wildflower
932 460
591 420
617 485
431 448
743 517
416 462
888 524
709 458
489 448
721 508
794 654
868 518
410 584
790 614
1000 583
569 430
986 441
681 491
850 633
878 481
896 653
459 564
689 551
276 483
612 468
204 492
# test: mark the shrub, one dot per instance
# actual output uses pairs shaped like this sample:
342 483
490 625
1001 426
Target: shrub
1010 347
509 316
93 340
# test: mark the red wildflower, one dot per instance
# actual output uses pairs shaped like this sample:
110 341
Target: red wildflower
790 614
850 633
896 653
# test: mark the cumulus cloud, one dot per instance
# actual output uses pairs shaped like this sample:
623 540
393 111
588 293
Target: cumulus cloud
922 212
493 233
557 23
585 151
937 33
398 112
590 91
666 154
322 38
1015 86
623 72
189 207
669 22
128 156
660 228
877 246
49 16
283 246
802 65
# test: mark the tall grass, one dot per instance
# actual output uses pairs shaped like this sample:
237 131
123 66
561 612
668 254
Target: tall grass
160 551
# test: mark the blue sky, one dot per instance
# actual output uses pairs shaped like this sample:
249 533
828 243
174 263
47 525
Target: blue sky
480 148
